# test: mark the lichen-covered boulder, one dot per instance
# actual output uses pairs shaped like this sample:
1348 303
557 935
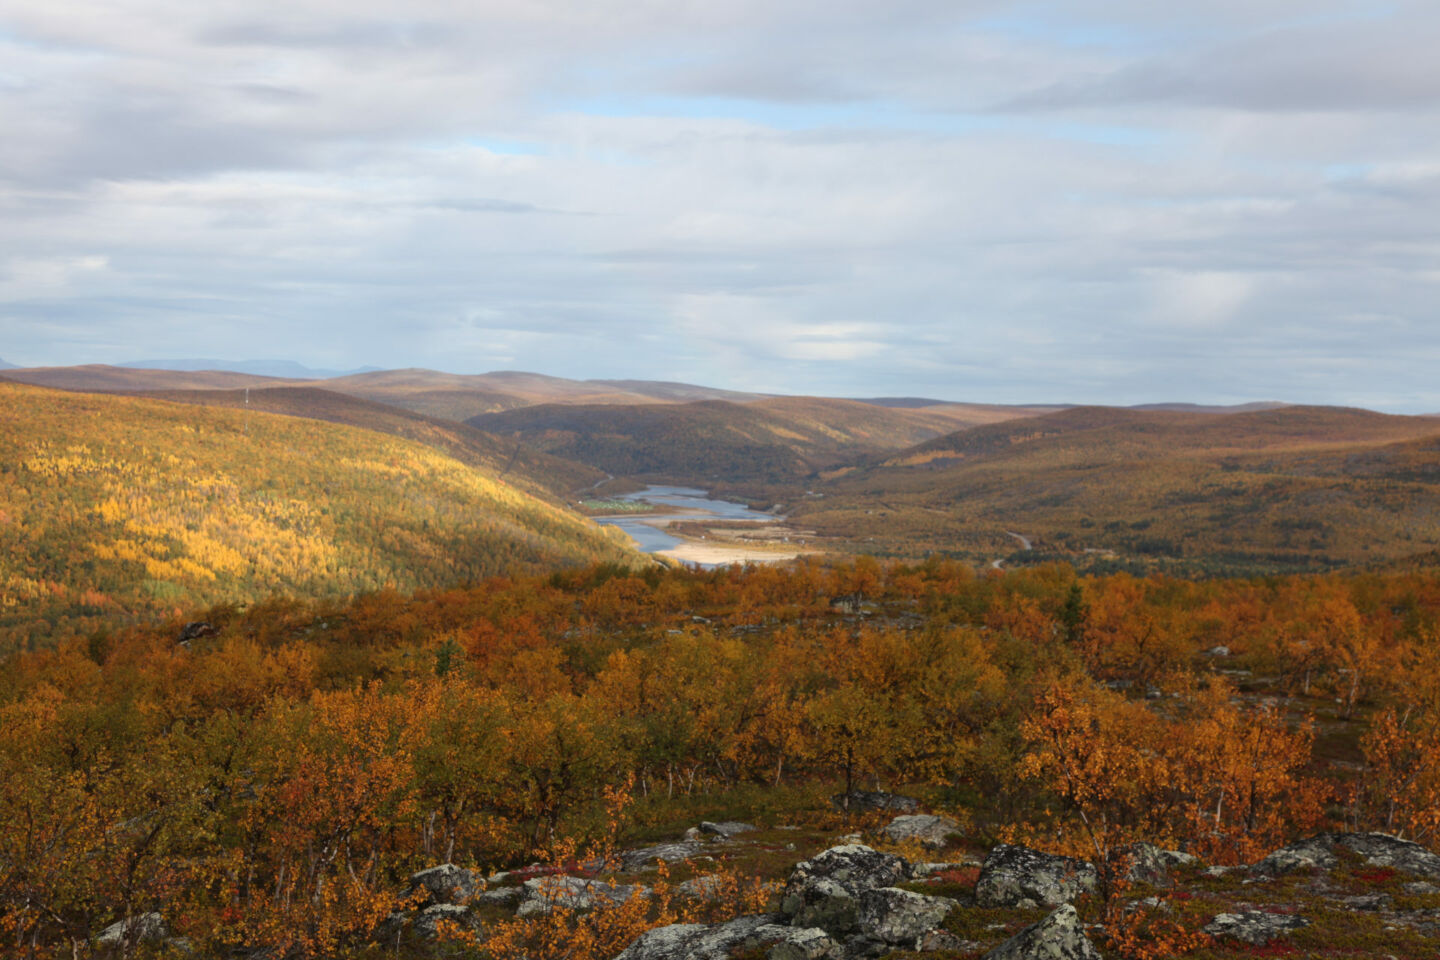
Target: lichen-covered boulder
1058 937
1255 927
720 941
429 924
929 830
1014 876
1150 864
900 917
144 928
543 894
825 890
446 883
1376 849
726 828
646 857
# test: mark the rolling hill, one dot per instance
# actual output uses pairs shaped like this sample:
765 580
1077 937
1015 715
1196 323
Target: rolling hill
1286 488
766 441
462 397
518 464
103 378
113 508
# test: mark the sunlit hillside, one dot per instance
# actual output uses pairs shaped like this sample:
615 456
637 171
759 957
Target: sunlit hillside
115 507
518 464
1292 488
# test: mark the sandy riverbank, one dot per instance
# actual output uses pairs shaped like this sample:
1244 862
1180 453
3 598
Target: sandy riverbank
693 551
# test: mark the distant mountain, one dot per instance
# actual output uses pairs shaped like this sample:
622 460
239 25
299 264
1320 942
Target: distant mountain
286 369
1212 408
7 366
102 379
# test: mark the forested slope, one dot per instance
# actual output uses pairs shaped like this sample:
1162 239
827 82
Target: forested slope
114 507
1290 488
776 440
517 463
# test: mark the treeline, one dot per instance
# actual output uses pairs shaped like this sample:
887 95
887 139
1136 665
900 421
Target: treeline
272 779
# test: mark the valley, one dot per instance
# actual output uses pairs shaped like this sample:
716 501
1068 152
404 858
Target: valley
628 669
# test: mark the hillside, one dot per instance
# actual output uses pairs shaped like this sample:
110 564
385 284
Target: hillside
461 397
775 440
1288 488
517 463
100 377
115 507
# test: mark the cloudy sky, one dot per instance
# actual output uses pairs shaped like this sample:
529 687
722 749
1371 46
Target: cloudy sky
1089 200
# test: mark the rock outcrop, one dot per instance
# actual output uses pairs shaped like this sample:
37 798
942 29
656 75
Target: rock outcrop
726 828
646 857
447 883
1058 937
544 894
825 890
1255 927
1376 849
436 917
1150 864
929 830
1014 876
900 917
697 941
145 928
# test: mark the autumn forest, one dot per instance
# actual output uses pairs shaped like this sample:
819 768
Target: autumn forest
267 671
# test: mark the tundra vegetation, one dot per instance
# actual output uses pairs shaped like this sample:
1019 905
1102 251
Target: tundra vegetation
264 780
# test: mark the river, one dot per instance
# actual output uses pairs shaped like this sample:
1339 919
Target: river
649 532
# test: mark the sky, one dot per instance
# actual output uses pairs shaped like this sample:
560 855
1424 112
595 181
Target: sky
1107 201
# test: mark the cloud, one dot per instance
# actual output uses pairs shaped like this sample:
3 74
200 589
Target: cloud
1104 200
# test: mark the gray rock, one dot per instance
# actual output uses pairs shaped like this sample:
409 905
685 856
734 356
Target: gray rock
1421 888
931 831
427 925
447 883
1254 927
633 860
543 894
898 916
697 941
869 801
824 891
726 828
936 941
145 928
708 887
1152 865
1057 937
501 896
1014 876
1219 651
1376 849
807 943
